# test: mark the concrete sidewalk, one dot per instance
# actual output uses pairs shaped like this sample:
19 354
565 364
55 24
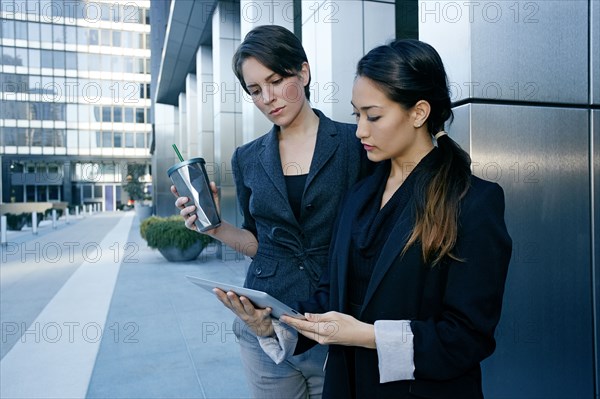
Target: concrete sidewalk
88 310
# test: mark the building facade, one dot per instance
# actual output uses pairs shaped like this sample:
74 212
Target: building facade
525 80
74 100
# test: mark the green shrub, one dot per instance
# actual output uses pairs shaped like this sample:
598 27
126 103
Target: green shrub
146 222
16 222
162 232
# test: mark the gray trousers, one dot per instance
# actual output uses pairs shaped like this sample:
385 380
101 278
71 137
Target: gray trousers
299 377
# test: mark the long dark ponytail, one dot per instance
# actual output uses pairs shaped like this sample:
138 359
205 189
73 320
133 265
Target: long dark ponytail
409 71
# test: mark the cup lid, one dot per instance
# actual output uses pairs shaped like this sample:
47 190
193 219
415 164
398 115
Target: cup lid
184 163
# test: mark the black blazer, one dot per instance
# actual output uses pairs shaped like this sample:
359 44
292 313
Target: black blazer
293 253
453 307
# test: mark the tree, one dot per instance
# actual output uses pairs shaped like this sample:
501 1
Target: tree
133 186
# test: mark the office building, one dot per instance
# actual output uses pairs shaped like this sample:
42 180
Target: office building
74 100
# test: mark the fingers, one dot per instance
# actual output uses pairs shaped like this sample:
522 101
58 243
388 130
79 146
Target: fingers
190 222
213 187
174 191
181 201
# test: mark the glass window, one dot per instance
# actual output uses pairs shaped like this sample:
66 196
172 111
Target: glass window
105 61
93 37
135 39
118 139
71 113
58 8
94 62
59 138
117 63
46 58
42 193
71 60
105 11
129 139
35 84
8 29
30 193
82 35
128 64
82 61
71 34
116 12
105 37
34 58
8 136
69 10
128 115
126 39
97 114
116 38
97 191
107 139
48 138
23 140
106 114
59 34
46 33
84 113
46 13
139 115
139 140
87 191
21 56
34 31
32 6
59 59
139 63
72 139
54 193
7 55
118 114
35 137
20 30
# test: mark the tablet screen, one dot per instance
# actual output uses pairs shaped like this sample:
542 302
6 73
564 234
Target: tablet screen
260 299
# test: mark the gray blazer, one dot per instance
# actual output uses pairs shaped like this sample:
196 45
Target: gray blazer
293 253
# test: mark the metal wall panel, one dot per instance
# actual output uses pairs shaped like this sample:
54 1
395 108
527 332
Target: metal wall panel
460 129
540 157
166 126
596 249
531 51
595 50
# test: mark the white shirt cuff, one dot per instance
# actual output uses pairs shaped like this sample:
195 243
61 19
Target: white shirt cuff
281 346
395 351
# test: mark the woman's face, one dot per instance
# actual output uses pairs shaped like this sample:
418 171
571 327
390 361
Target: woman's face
280 98
385 128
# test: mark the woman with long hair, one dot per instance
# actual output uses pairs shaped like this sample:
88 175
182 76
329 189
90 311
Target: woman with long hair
419 254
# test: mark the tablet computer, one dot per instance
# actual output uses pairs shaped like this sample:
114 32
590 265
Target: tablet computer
260 299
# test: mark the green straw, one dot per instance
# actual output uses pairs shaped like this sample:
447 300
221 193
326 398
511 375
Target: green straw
178 153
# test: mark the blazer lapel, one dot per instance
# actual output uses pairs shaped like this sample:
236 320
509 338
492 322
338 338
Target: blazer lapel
391 249
327 142
271 162
353 204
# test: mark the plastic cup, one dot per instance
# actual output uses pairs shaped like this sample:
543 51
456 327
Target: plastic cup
191 180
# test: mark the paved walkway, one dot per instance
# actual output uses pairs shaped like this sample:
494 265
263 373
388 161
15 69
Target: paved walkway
87 310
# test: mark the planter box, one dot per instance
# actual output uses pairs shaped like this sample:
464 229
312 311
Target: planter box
174 254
